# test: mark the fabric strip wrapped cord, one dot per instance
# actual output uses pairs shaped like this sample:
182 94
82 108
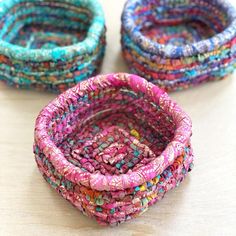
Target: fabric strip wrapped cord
113 145
50 45
179 44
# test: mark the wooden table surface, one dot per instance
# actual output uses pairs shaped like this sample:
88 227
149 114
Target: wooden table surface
204 204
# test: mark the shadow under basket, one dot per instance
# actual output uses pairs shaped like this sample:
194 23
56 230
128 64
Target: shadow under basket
113 145
51 45
177 44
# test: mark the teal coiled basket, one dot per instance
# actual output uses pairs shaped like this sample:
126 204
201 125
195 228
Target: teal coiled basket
50 45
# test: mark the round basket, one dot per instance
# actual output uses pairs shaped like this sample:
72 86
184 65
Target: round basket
50 45
177 44
113 145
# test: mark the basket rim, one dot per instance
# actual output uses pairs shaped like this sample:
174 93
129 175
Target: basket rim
188 50
88 45
102 182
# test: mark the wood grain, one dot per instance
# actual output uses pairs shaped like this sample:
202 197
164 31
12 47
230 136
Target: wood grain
205 204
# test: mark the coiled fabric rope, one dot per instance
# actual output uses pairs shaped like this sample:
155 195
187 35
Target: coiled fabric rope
113 145
50 45
178 44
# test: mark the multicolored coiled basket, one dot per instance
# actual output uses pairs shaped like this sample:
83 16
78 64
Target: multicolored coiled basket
51 45
113 145
181 43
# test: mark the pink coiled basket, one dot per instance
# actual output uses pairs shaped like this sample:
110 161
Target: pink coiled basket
113 145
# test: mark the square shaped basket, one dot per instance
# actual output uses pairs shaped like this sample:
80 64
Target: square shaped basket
50 45
113 145
179 44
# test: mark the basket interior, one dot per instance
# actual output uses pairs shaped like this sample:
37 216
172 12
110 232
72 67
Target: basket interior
112 131
45 24
178 23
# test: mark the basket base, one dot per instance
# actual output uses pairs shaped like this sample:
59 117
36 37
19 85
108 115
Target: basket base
41 36
113 144
177 33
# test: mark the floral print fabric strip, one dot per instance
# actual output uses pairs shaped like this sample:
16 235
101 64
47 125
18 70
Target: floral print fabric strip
113 145
177 44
